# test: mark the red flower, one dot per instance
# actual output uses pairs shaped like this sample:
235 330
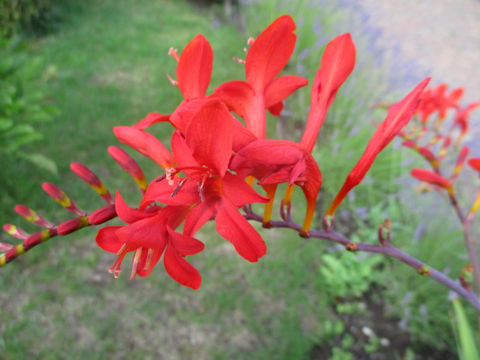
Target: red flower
338 62
150 233
267 56
432 178
281 161
398 116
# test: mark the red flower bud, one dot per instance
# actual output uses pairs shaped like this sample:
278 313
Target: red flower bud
32 216
91 179
102 215
128 164
60 197
72 225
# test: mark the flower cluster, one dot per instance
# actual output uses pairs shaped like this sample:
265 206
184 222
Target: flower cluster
433 134
218 148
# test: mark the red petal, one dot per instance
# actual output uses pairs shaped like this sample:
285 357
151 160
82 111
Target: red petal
180 270
149 233
239 192
210 136
185 111
276 109
151 119
269 152
126 213
185 245
337 63
145 143
232 226
270 52
280 88
474 163
237 95
183 154
431 177
195 68
197 217
144 269
108 240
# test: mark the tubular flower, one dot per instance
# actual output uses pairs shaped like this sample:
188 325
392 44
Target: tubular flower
281 161
267 56
432 178
337 63
398 116
149 234
461 120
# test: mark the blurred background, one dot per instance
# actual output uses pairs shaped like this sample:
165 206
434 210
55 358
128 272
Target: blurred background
72 70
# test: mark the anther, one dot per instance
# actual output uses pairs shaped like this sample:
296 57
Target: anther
173 53
178 187
173 82
240 61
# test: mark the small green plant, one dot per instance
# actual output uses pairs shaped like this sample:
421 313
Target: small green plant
21 110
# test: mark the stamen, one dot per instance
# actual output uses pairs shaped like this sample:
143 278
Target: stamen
173 82
178 187
136 259
122 249
240 61
148 262
160 178
250 41
200 188
173 53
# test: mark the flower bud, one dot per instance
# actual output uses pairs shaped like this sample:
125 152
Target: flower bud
72 225
102 215
91 179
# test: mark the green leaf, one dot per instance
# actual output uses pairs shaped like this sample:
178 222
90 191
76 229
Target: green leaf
466 336
41 161
5 123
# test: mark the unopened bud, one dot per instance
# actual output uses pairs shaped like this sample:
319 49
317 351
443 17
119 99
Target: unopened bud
60 197
128 164
384 232
38 238
102 215
15 231
32 216
91 179
5 247
72 225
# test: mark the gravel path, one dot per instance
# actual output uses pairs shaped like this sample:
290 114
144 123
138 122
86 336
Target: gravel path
442 37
